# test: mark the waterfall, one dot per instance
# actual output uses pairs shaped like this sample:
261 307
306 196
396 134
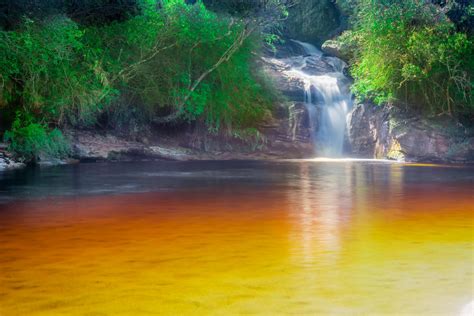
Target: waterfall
326 95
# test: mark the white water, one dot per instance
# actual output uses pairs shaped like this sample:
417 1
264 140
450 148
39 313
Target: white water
326 89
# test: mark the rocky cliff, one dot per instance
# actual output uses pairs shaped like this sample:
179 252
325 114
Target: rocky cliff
390 132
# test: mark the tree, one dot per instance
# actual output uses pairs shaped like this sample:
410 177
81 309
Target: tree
249 16
411 52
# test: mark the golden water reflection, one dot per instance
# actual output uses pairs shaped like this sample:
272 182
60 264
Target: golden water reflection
322 240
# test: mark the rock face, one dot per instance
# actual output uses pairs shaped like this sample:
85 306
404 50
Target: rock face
290 132
93 146
337 49
388 132
313 21
368 128
88 145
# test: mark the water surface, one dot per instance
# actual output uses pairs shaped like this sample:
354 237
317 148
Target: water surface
226 238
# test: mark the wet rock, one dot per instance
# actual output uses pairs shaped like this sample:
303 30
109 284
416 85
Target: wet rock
321 66
88 145
289 133
286 49
367 127
49 161
7 161
291 87
389 132
289 136
337 49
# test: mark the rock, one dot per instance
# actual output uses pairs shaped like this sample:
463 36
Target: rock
290 87
171 153
367 128
344 46
388 132
290 135
7 160
337 49
286 49
93 146
48 161
8 163
313 21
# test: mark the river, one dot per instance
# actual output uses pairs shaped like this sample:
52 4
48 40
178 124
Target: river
304 237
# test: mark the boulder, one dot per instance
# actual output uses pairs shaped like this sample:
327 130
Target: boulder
337 49
7 162
276 70
392 133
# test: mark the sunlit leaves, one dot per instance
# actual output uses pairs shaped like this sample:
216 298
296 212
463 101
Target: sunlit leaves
409 51
67 73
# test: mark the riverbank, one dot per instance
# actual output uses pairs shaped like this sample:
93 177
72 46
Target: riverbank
277 138
289 131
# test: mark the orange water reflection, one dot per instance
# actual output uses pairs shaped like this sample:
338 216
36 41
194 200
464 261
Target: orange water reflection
355 243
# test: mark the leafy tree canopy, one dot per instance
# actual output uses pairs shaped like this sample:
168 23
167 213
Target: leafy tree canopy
415 52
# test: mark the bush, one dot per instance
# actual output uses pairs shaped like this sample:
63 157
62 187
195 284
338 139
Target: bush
190 40
47 68
153 60
30 140
409 51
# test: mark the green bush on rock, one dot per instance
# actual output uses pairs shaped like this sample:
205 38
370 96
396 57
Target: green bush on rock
410 51
30 140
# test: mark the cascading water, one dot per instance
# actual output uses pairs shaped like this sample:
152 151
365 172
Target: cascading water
327 97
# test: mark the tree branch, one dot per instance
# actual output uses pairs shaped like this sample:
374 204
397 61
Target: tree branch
226 56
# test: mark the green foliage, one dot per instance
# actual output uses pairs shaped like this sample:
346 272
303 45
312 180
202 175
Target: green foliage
29 139
411 52
250 136
84 12
158 56
166 57
347 7
47 68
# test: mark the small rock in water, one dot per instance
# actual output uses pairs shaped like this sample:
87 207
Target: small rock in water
7 163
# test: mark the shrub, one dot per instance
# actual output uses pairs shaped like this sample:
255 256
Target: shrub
158 58
47 68
29 140
411 52
167 60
